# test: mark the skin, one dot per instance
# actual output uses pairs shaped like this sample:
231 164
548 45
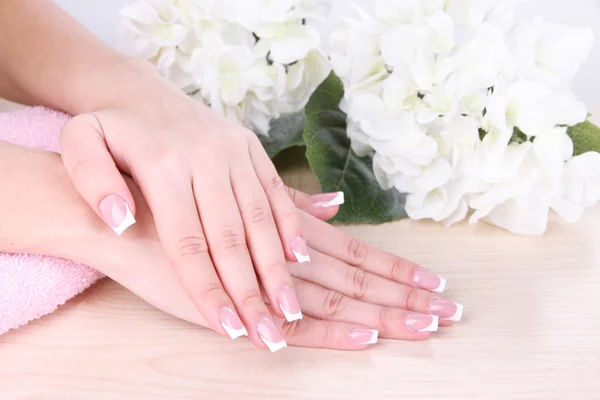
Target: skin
222 213
341 289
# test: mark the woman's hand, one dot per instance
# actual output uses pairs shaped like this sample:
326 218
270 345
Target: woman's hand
222 213
365 272
344 303
347 303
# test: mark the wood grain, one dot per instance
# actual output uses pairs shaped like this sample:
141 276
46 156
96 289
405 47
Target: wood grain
531 331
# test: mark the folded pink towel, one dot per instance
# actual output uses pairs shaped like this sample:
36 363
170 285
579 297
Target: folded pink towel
33 286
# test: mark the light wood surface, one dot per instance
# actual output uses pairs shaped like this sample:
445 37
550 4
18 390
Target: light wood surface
531 331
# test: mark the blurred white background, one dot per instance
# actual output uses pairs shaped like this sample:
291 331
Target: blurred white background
101 17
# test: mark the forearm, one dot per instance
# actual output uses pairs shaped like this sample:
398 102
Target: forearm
40 211
48 59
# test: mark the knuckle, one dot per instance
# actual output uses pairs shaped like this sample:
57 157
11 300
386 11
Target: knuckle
89 169
231 238
357 251
276 269
164 159
250 136
206 292
291 329
250 298
216 186
192 246
387 317
411 299
359 281
329 335
277 182
292 219
256 213
293 194
334 304
399 271
215 142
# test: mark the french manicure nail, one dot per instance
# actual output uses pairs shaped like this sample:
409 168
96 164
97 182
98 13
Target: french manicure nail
300 249
446 310
422 322
289 305
232 323
363 336
116 213
270 335
328 200
427 280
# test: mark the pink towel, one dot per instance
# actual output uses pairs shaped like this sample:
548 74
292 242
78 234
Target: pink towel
33 286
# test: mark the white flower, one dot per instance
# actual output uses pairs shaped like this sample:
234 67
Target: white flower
549 53
580 188
520 206
303 78
151 26
444 204
464 110
473 13
249 60
289 42
230 78
531 179
480 62
251 14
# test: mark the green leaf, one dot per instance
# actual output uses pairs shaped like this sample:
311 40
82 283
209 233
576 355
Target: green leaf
284 132
586 137
338 168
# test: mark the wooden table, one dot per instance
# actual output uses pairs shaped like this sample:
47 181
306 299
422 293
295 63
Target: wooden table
531 331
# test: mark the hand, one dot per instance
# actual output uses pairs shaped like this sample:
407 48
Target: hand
345 301
221 211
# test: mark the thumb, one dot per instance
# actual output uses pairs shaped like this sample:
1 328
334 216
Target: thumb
94 172
321 206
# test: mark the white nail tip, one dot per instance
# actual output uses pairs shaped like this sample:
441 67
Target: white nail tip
128 222
291 317
458 315
275 346
337 201
235 333
373 339
302 259
434 325
442 287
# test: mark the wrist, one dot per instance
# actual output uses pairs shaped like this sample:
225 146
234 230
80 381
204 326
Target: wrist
115 80
43 214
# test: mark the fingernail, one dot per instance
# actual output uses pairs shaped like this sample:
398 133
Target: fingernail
422 322
116 213
328 200
232 323
270 335
289 305
446 310
300 249
427 280
363 336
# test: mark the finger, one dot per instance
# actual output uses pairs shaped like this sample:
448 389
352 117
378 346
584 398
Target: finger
322 206
333 335
185 245
392 323
94 173
226 236
355 283
263 239
284 211
332 241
